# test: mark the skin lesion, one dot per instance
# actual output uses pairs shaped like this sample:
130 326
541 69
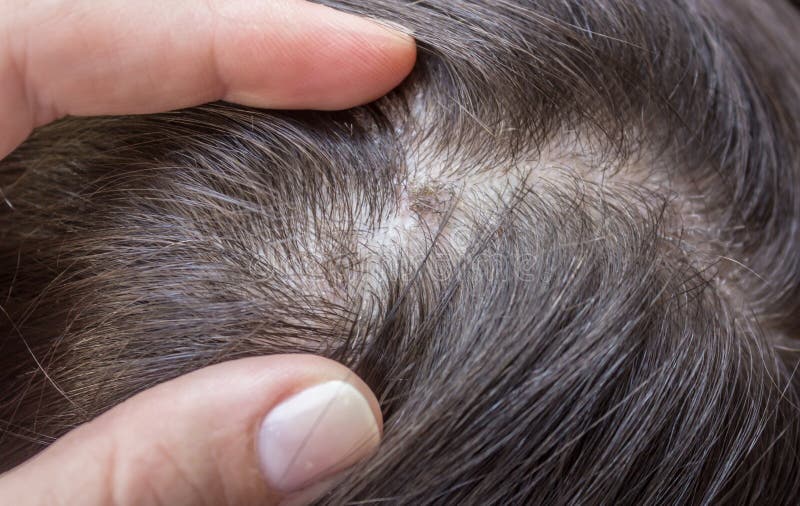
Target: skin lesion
431 198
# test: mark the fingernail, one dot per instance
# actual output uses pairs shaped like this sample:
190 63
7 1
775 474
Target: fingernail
368 25
394 27
316 434
381 29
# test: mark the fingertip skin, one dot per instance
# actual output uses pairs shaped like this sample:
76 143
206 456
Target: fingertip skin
330 60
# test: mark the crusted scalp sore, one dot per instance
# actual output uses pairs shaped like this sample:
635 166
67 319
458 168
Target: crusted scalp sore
563 254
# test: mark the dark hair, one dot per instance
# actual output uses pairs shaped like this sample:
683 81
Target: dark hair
564 254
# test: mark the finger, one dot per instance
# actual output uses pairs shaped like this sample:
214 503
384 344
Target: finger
252 431
83 57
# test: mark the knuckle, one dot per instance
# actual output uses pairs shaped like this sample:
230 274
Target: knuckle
149 474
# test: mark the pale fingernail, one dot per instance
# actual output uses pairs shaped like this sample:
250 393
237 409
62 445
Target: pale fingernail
315 434
371 26
394 27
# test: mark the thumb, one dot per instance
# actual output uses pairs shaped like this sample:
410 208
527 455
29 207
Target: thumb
262 430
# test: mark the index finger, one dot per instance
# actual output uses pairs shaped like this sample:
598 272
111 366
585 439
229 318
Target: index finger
82 57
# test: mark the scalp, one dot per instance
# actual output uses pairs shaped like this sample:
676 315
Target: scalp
560 254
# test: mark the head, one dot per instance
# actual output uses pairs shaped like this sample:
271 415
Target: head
564 254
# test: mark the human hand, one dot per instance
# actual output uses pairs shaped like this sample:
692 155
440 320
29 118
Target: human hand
226 434
264 430
83 57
